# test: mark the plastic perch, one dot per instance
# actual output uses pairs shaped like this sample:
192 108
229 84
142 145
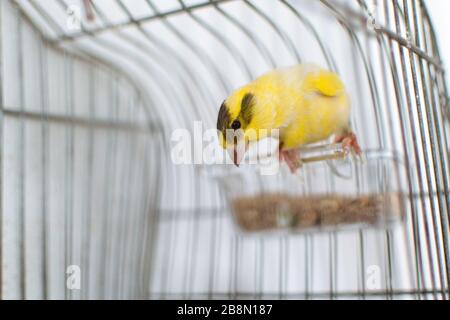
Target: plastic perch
315 153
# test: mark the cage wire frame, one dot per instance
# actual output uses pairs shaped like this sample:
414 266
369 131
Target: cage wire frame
405 83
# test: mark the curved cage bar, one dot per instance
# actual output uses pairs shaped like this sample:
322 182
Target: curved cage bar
88 136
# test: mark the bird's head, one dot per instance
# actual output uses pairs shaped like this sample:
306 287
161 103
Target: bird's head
234 124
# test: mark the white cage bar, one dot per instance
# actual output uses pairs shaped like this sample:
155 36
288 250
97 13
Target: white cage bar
87 177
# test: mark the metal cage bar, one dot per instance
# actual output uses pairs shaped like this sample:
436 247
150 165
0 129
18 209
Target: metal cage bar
183 60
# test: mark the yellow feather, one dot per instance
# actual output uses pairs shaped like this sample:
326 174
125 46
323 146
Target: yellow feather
307 103
327 83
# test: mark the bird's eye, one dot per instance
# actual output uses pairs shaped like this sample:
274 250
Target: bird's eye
236 125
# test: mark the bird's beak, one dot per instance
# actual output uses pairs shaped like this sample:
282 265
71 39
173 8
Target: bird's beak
237 152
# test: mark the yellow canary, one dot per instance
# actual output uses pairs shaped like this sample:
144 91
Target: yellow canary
306 103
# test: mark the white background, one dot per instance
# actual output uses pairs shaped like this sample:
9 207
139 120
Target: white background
439 10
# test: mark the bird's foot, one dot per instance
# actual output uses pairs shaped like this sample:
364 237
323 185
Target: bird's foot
292 159
89 10
349 143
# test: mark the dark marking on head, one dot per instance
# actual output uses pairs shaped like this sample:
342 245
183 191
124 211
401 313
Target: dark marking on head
223 119
247 107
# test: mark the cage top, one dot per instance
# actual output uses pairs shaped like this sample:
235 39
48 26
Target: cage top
211 46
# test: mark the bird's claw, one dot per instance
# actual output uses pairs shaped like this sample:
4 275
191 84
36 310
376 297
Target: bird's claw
350 145
355 157
292 159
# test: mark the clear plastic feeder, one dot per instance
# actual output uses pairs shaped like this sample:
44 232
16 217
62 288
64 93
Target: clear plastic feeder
331 191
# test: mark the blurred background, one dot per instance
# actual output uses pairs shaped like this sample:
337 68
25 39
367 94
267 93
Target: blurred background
437 11
94 207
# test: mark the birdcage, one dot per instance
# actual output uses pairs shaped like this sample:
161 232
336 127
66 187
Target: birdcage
93 205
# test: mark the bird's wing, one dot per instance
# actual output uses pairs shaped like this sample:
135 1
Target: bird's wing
326 83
